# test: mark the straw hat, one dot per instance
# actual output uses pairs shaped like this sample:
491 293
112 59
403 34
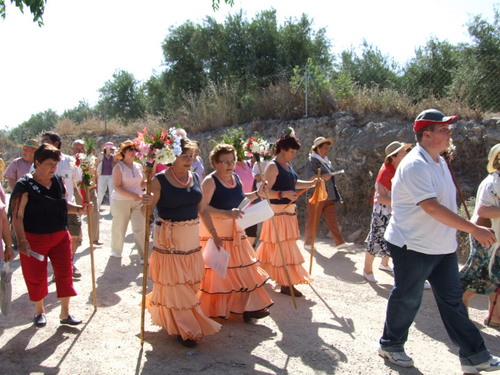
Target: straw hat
30 143
394 147
492 155
319 141
127 143
2 165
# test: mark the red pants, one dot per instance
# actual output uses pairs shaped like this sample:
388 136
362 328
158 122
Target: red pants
327 208
57 247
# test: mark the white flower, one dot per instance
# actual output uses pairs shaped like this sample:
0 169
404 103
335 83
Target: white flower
165 156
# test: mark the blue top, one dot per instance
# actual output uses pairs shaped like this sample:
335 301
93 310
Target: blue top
178 204
285 180
46 210
227 198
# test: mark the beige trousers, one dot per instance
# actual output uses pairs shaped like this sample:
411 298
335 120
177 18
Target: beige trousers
124 211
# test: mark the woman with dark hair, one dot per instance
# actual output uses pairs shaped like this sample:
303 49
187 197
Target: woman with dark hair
126 201
283 181
241 291
39 216
176 264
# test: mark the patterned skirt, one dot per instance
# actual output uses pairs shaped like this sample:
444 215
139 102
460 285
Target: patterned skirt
475 275
376 237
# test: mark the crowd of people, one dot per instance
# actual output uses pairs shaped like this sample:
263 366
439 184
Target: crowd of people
196 217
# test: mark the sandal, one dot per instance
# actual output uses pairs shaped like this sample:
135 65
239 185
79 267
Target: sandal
490 323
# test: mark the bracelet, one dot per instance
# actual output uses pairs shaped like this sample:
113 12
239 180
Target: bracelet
9 246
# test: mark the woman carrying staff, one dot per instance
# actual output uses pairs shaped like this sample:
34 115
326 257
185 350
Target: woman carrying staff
176 263
39 217
481 273
242 290
126 201
394 153
283 181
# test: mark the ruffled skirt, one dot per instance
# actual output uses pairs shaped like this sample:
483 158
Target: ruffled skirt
269 252
242 288
176 268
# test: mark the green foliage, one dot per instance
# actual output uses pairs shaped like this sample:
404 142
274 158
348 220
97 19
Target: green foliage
79 113
38 123
36 7
120 98
235 137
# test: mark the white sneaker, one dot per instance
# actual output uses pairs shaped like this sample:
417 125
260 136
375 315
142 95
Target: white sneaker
307 247
370 277
344 245
493 364
114 254
385 268
427 285
398 358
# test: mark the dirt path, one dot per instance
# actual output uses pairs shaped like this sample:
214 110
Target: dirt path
334 329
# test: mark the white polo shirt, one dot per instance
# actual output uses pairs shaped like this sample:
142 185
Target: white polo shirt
419 178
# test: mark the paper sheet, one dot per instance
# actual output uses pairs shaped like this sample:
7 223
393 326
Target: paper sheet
216 259
256 214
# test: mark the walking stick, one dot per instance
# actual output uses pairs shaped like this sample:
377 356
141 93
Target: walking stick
91 240
275 225
315 222
492 308
149 170
446 157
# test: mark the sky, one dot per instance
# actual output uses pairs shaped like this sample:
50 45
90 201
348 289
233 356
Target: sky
83 42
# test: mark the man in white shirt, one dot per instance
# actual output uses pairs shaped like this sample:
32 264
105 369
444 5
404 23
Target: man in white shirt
71 174
421 237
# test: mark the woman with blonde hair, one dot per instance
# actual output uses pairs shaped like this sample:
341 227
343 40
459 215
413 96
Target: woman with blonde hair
241 291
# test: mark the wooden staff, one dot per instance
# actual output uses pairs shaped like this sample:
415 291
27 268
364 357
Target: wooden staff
460 195
315 220
275 225
91 240
149 171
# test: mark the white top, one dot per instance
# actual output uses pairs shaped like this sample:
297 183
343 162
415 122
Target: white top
71 174
131 178
488 194
256 171
417 179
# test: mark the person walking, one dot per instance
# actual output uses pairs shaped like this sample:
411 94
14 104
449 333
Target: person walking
421 238
105 163
318 159
481 273
381 213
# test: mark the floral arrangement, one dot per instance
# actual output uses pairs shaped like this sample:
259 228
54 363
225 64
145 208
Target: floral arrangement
258 146
86 162
160 146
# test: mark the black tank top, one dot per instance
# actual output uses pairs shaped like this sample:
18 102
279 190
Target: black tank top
225 198
178 204
285 180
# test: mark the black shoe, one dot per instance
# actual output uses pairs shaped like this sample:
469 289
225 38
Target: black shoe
259 314
286 290
71 320
40 320
189 343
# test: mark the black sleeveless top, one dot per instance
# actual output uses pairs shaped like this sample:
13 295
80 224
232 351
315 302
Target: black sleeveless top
46 210
225 198
285 180
178 204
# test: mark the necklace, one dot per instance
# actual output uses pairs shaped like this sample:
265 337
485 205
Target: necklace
184 184
226 184
130 167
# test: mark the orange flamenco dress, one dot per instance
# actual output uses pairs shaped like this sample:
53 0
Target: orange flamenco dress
269 253
242 290
176 268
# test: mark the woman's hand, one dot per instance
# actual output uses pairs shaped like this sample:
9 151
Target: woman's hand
23 247
147 199
138 197
234 213
290 194
87 207
217 241
326 176
9 254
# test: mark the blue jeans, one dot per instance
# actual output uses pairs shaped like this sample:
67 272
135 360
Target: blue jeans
411 269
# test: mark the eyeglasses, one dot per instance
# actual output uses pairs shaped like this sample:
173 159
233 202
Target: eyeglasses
228 163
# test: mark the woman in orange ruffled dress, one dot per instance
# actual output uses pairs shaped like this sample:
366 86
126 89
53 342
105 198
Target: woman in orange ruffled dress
283 181
176 263
242 290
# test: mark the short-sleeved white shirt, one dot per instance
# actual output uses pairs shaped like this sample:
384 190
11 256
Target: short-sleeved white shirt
417 179
488 194
71 174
